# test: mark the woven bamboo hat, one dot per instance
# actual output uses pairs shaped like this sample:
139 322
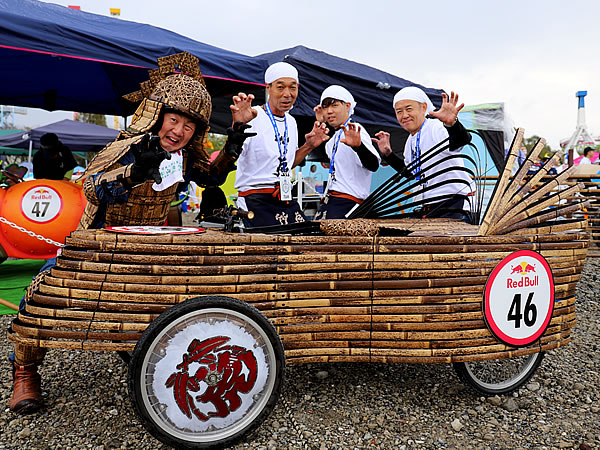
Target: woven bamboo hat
176 84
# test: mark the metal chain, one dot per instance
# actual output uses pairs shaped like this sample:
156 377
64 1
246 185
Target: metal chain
30 233
288 410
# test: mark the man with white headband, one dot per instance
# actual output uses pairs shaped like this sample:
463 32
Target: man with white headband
264 169
352 157
428 128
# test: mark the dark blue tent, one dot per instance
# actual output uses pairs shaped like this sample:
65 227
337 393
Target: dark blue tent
78 136
372 88
57 58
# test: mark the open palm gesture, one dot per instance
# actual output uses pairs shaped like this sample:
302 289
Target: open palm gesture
351 135
448 113
241 110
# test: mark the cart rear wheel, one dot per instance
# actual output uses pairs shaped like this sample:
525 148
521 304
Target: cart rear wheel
206 372
499 376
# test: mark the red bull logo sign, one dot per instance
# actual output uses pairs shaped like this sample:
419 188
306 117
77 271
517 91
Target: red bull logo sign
526 271
41 204
519 298
41 194
145 229
523 268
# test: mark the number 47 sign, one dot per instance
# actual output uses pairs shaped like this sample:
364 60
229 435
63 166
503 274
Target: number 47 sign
519 298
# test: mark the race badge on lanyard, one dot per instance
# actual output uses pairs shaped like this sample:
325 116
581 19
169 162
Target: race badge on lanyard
285 180
330 180
285 186
331 177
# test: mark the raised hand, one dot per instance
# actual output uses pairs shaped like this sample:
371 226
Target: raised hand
236 135
317 135
148 155
351 135
382 139
319 114
448 113
241 110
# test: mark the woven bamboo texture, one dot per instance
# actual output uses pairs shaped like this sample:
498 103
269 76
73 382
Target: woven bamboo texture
589 190
413 298
392 297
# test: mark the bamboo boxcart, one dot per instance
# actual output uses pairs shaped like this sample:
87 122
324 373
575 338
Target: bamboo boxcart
212 318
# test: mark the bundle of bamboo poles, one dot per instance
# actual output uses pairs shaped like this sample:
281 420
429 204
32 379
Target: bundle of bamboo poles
518 204
410 298
414 297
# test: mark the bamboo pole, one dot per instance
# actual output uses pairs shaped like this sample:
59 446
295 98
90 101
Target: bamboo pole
553 214
517 180
496 200
9 304
527 208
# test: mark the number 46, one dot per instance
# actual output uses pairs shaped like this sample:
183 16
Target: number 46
515 313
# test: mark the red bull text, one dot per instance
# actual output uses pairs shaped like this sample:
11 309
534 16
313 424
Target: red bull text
523 269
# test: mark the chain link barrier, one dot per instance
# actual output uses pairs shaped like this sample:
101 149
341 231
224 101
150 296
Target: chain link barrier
30 233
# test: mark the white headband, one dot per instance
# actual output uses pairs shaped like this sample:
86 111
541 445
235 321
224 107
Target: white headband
415 94
280 70
339 93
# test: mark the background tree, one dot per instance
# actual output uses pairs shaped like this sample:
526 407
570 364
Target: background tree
96 119
214 142
530 142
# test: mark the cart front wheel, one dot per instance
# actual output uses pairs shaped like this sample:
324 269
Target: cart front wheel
498 376
206 373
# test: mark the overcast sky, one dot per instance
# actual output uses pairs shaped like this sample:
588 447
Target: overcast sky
532 55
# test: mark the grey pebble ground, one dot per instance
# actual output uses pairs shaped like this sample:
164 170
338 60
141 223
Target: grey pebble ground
341 405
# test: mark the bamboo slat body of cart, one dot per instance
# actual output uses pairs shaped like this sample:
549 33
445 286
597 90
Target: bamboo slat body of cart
381 291
414 298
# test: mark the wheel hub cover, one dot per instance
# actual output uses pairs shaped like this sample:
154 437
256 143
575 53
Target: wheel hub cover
211 381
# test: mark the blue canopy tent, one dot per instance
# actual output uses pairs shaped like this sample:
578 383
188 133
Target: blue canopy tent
57 58
373 89
78 136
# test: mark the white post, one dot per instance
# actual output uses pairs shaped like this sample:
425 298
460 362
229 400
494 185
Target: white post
30 149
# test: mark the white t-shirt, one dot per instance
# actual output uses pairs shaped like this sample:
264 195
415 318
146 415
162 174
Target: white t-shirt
259 160
351 177
584 160
432 133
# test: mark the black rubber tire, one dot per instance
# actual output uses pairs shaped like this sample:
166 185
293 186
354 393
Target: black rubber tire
472 373
125 356
156 351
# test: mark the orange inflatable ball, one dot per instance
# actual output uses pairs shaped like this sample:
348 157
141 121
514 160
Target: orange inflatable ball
47 208
3 254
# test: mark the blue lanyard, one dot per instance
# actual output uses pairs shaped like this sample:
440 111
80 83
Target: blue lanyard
416 154
282 154
335 147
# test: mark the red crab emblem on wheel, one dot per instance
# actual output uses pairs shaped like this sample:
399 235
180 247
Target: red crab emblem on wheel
225 371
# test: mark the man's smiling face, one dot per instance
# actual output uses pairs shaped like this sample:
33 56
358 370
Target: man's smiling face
176 131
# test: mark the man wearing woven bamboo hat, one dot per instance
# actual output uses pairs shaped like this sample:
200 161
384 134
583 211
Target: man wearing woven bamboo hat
133 180
445 184
264 170
352 156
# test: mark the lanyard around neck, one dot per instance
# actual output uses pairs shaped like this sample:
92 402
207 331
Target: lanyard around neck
416 154
335 147
283 168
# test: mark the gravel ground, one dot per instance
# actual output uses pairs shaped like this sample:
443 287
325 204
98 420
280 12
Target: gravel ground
341 405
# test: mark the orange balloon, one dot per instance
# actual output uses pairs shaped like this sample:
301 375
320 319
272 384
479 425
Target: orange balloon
48 208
